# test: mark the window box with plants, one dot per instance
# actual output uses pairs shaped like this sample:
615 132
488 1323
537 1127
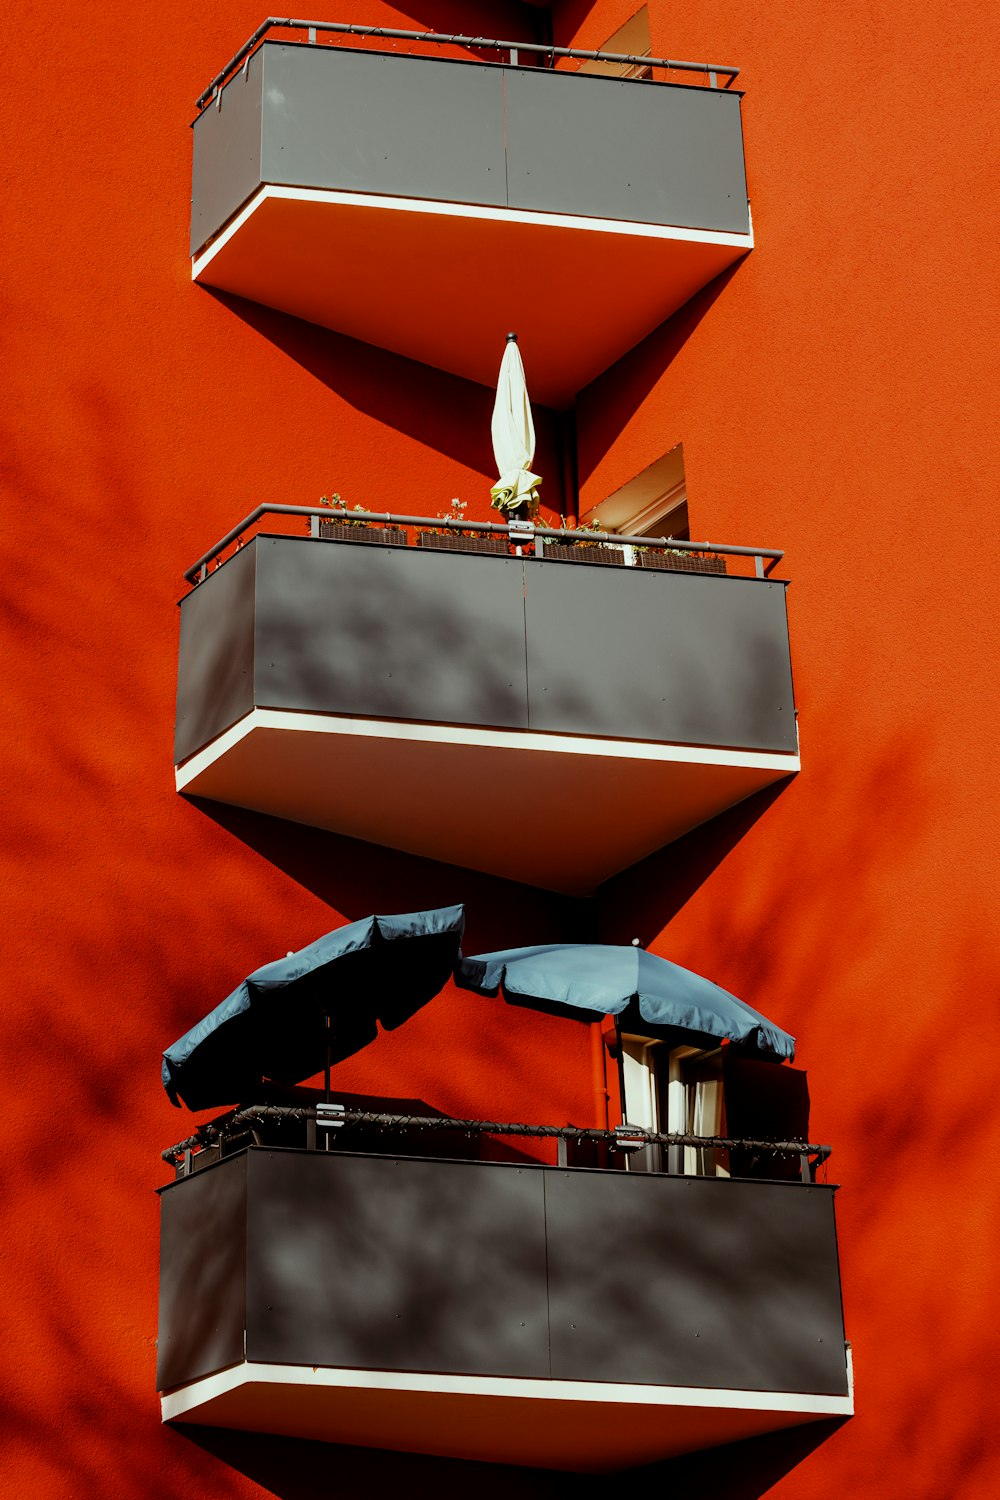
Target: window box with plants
675 560
343 527
453 539
584 551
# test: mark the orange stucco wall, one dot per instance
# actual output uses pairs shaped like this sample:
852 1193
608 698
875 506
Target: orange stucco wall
832 398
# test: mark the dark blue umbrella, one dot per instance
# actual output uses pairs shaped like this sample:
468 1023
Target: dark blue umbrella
315 1007
588 979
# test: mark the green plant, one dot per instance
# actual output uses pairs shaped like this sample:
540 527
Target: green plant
572 531
456 514
342 515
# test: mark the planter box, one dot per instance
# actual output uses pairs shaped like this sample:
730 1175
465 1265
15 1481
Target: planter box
568 552
344 531
675 562
495 544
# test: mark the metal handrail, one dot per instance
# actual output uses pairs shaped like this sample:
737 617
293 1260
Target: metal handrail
625 1137
520 530
441 38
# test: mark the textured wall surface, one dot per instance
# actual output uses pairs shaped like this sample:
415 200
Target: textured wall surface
831 394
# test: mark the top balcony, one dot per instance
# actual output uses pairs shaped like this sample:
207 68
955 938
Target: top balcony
426 203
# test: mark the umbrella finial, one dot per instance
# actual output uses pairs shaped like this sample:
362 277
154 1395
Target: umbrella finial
637 942
511 338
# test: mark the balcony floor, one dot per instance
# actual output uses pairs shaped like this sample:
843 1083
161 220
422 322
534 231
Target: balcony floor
385 270
580 1426
581 809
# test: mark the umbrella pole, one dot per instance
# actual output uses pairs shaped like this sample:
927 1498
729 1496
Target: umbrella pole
620 1053
326 1070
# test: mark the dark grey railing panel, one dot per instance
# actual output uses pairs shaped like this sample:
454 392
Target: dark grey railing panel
612 149
694 1281
460 132
409 127
202 1275
496 642
374 1263
390 632
676 658
227 146
215 660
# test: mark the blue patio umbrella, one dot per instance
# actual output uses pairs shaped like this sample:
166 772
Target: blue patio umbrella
291 1018
584 980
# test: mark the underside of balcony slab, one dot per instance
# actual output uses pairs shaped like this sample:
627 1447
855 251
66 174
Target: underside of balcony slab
580 1426
562 812
444 282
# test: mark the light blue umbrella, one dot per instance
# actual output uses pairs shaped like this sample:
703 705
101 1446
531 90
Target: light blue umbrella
290 1018
585 980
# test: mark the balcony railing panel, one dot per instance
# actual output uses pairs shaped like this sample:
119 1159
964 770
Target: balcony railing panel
645 154
482 1268
388 1264
226 166
693 1281
203 1250
215 681
372 690
506 642
703 661
466 132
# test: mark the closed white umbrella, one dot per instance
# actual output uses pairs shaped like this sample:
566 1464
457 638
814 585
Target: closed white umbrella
513 437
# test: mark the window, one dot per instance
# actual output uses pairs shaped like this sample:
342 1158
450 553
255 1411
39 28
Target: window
676 1089
654 503
632 38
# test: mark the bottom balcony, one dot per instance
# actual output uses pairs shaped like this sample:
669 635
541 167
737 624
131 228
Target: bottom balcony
562 1317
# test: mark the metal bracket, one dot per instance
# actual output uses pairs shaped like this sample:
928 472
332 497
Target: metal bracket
630 1137
329 1116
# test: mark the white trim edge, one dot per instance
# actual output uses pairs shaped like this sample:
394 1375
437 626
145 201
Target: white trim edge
176 1404
624 228
493 739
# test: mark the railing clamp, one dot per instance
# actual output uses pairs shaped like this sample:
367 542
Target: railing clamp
630 1137
329 1116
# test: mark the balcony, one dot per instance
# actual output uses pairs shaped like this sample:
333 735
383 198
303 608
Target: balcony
507 1311
426 204
546 722
580 717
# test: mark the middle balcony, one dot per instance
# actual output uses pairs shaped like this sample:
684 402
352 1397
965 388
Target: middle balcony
545 722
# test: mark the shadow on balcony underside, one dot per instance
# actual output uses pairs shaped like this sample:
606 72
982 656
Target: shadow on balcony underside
292 1469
